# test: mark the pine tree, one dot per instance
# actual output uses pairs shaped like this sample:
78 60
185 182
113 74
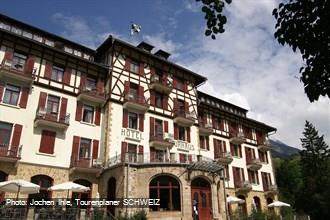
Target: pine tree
315 158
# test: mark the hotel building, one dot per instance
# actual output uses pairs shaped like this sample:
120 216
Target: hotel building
126 122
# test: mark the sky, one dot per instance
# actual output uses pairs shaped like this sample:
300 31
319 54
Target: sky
245 65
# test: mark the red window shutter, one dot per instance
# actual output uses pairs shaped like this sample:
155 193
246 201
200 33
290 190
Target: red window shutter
141 122
222 124
9 54
166 126
100 85
152 98
125 118
83 78
124 147
216 149
182 158
97 116
2 87
79 111
174 82
214 124
48 70
188 134
42 100
165 102
240 150
29 65
190 158
152 126
141 93
126 87
232 149
253 154
152 154
185 87
176 106
257 174
64 104
127 64
24 97
141 69
47 142
140 149
176 132
95 149
247 155
75 148
186 107
16 135
207 143
67 76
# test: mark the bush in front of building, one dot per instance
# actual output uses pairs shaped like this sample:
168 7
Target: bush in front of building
140 215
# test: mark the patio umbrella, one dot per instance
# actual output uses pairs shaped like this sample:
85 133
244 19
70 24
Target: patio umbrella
278 204
69 186
19 186
234 200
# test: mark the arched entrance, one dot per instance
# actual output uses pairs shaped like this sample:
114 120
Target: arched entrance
111 195
271 210
3 177
242 206
257 203
201 193
44 182
83 196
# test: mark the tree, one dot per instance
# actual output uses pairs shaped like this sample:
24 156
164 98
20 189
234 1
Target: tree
304 25
314 160
215 21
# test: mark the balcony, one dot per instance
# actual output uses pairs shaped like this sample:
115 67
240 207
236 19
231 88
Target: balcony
185 119
51 119
270 189
243 186
205 129
10 70
236 137
165 140
86 165
161 84
253 164
224 158
91 95
135 103
264 145
10 154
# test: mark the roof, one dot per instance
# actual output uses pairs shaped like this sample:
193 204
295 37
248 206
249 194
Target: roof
110 41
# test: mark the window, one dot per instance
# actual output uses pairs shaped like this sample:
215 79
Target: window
11 94
159 128
236 150
226 173
88 113
131 149
204 142
179 84
134 66
44 182
181 105
253 177
53 104
57 73
133 90
238 176
5 132
158 100
263 156
250 155
167 190
18 61
90 84
133 120
85 148
182 133
47 142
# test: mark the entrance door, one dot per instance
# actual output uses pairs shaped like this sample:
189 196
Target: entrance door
201 193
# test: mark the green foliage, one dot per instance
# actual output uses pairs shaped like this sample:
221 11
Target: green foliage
141 215
304 25
215 20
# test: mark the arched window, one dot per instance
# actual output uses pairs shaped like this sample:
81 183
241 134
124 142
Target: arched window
257 204
167 189
3 177
83 196
271 210
242 206
44 182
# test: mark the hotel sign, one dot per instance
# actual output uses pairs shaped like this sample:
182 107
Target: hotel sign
184 146
131 134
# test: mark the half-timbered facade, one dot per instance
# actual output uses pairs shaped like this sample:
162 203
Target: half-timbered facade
128 123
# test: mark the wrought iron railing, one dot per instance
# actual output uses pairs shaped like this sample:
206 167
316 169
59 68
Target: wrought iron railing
83 89
135 98
44 113
164 80
10 151
218 155
184 114
16 68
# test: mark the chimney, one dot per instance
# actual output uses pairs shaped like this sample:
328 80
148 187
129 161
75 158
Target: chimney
145 46
162 54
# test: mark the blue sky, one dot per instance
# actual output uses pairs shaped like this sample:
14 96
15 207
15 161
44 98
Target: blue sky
245 65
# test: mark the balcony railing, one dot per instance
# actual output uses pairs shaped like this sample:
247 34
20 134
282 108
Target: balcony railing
16 71
91 94
10 153
264 145
253 163
184 118
270 189
205 128
154 158
161 84
53 119
236 137
162 140
243 185
135 102
86 165
223 157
